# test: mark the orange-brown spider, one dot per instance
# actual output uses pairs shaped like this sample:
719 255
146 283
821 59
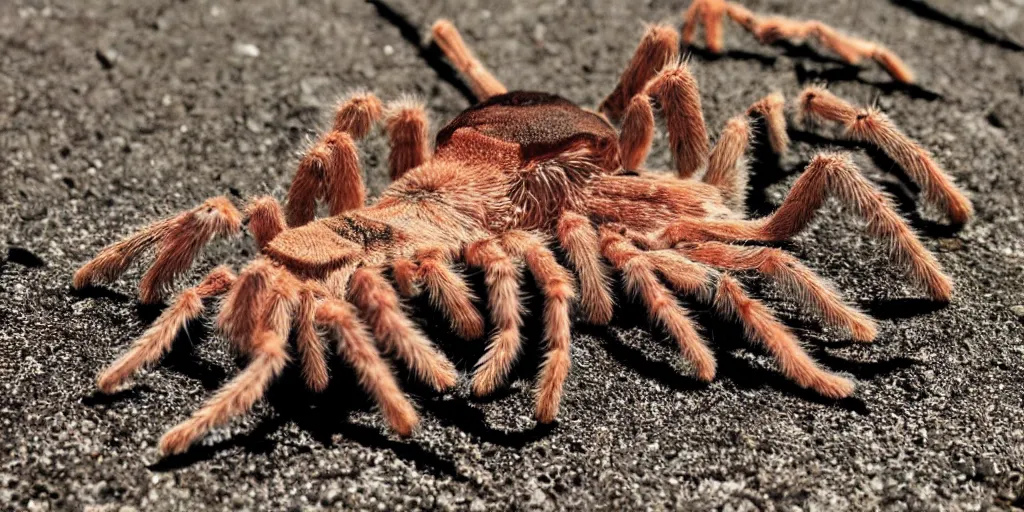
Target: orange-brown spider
508 180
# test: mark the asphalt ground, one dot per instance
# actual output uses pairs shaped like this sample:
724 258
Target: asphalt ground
116 113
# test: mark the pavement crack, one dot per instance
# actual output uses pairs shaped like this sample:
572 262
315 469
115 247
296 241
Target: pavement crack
430 53
929 12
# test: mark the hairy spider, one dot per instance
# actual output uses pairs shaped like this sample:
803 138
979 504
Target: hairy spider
769 29
508 180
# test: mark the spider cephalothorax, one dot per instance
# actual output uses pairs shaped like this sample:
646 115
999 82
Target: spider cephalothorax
508 181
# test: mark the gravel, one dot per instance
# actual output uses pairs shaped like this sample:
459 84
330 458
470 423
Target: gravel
114 113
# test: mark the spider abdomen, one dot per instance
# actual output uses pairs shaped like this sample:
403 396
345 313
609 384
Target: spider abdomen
541 125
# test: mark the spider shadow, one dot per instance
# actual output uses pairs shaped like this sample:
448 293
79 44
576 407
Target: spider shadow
926 11
99 292
320 414
899 308
706 55
850 73
725 338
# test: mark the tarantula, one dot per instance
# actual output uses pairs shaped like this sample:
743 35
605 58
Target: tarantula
508 180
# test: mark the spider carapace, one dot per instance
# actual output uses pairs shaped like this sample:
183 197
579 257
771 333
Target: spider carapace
510 185
529 156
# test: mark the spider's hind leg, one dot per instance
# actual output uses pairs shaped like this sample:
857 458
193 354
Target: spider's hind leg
483 83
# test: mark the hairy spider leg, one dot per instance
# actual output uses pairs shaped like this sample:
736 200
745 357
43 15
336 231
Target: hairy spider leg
769 29
869 125
557 286
158 339
639 274
827 175
308 344
658 47
772 111
266 347
796 280
379 306
330 169
375 375
727 297
503 278
176 240
727 165
407 124
676 89
578 239
481 81
449 292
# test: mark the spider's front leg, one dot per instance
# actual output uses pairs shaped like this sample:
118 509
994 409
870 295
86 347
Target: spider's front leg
177 241
827 174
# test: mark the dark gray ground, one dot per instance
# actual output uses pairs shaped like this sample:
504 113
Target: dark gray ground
113 114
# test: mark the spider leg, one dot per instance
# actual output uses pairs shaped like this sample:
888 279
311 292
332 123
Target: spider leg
503 279
177 240
676 90
827 174
157 340
239 317
579 240
379 305
404 272
692 16
657 48
406 123
727 166
762 326
772 111
800 282
330 169
873 127
557 286
638 272
483 83
268 353
265 219
450 293
730 300
375 375
769 29
307 341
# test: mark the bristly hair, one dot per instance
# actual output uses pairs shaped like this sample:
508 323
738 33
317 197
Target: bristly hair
548 187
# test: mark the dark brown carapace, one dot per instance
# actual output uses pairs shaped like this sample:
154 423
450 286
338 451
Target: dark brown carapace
510 184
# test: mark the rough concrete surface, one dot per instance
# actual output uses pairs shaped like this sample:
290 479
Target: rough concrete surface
116 112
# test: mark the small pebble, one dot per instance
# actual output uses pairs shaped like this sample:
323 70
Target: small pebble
247 50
